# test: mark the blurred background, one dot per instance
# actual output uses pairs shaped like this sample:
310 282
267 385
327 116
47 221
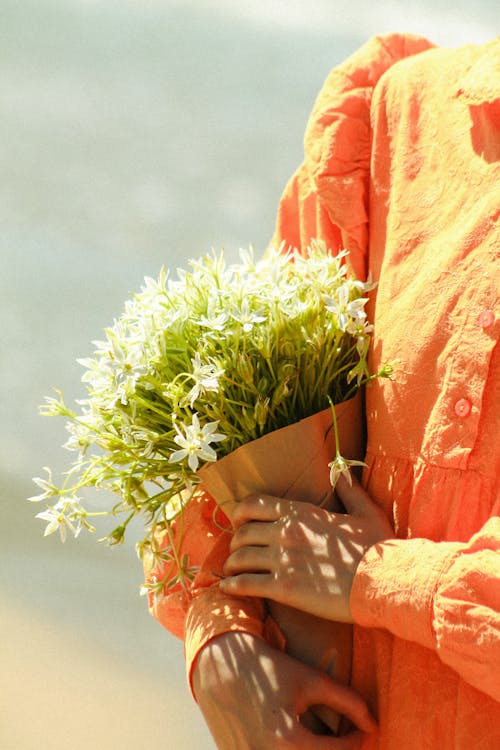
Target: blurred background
134 133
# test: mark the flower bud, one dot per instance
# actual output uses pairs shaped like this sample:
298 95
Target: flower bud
245 368
261 411
248 420
116 536
280 393
263 385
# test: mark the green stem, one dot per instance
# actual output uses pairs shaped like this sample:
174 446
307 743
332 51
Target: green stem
335 427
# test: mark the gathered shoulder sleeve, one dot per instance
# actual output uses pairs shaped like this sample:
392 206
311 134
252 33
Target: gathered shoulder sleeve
327 198
443 595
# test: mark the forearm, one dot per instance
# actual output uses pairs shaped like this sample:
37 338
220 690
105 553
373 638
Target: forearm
212 614
443 595
252 697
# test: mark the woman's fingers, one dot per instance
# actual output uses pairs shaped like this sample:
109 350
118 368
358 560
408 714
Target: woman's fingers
260 508
249 558
225 676
344 700
356 501
249 584
352 741
253 533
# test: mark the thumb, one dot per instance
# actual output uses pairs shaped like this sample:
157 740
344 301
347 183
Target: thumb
341 698
355 499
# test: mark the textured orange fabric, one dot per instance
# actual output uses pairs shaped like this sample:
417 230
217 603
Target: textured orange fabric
207 544
402 167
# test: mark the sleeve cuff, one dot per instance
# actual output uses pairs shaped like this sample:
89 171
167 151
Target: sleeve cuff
213 613
395 585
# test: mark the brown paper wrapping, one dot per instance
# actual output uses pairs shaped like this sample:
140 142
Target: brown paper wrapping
293 463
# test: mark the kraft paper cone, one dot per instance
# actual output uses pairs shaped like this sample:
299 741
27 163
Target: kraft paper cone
293 463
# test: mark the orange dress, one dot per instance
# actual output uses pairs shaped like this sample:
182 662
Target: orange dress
402 167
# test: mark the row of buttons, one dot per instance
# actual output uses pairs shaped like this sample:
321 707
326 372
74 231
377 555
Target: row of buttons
463 406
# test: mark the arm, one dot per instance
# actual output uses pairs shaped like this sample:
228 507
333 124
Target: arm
443 595
235 661
196 611
252 697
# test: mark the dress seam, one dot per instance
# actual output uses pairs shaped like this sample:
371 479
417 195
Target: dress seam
428 464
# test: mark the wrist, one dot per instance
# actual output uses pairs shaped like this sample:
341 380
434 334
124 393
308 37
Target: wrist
213 667
212 614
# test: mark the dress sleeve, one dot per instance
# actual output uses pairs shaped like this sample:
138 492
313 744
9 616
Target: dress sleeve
195 532
199 611
443 595
327 198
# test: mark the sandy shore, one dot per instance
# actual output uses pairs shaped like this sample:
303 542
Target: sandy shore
60 693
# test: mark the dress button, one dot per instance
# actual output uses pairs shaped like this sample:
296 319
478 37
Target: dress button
463 407
487 318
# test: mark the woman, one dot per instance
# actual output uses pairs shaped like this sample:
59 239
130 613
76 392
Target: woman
402 168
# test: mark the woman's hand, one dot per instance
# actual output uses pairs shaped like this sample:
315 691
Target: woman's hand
252 696
301 555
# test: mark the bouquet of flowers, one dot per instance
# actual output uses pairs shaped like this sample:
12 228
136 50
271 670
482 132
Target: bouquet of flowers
196 367
230 378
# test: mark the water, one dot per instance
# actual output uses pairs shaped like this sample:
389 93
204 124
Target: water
134 134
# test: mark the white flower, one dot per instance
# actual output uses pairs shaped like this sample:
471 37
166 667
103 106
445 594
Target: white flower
49 490
57 520
195 443
340 466
81 434
364 286
246 317
119 366
348 312
214 322
361 329
206 378
146 441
